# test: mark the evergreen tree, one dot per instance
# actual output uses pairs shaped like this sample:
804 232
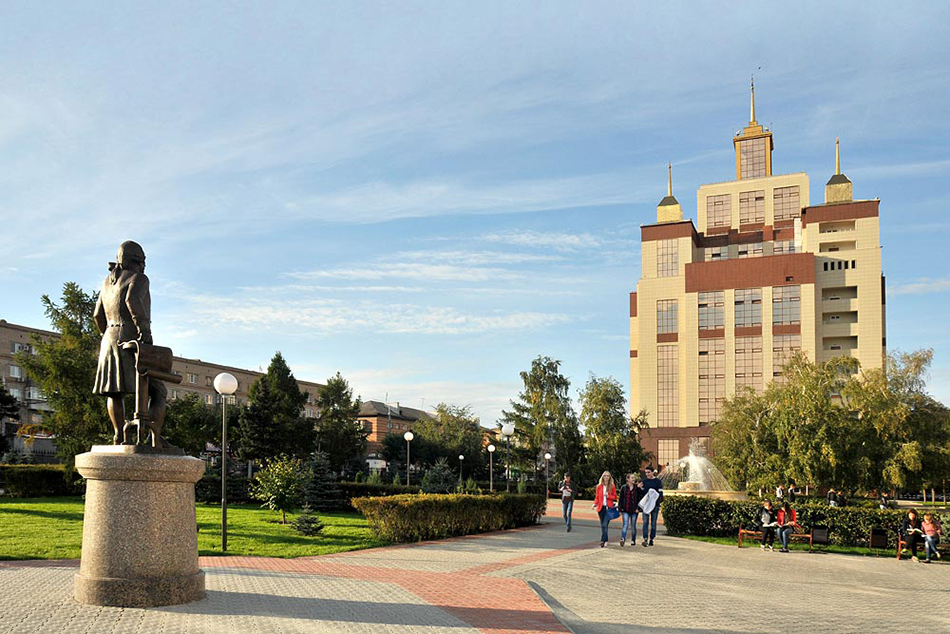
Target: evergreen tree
439 478
322 492
9 406
65 369
190 423
341 436
543 409
259 425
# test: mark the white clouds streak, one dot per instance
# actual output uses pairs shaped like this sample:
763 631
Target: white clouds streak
921 286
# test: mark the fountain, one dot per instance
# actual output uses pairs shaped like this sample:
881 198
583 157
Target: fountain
695 474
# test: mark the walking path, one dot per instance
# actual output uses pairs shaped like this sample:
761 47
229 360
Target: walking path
539 579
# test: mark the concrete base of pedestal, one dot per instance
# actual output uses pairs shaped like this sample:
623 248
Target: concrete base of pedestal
139 538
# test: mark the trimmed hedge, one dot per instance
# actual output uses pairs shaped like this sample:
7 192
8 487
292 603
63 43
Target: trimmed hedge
33 481
848 526
364 489
208 489
413 518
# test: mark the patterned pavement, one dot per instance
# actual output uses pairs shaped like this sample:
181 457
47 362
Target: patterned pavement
539 579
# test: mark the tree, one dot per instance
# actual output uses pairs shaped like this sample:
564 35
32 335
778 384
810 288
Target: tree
439 478
322 493
340 435
190 423
9 409
272 424
542 408
612 443
453 431
280 485
65 369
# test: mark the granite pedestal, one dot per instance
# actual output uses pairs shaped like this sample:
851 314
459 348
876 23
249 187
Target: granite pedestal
139 536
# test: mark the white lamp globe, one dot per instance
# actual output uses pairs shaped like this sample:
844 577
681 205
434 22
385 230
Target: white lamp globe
491 448
408 436
225 384
547 456
507 429
461 457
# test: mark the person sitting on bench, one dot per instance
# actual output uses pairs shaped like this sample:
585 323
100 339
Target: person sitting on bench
787 524
767 524
932 531
912 532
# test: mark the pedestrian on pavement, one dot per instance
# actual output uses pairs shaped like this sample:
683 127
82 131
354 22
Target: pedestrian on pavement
605 500
882 502
767 525
629 498
787 524
650 504
912 532
566 487
791 492
832 498
932 532
779 493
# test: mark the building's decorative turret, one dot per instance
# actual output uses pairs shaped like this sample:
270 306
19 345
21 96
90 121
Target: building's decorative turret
753 146
669 209
838 189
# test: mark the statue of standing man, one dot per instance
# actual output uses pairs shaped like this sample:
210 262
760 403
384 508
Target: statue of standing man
123 314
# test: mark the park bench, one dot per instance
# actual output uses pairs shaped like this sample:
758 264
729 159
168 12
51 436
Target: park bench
943 546
745 532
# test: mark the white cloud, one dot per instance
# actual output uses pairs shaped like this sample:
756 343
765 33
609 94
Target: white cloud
408 270
553 239
921 286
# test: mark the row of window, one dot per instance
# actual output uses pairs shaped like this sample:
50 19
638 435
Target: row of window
752 158
32 393
748 250
841 265
786 309
16 347
712 373
786 204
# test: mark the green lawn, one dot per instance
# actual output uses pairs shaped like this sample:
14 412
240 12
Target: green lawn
51 528
794 545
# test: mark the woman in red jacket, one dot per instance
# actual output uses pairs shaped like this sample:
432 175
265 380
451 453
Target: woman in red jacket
604 500
787 523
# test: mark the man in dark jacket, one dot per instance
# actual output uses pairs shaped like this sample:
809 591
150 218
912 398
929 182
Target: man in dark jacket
650 481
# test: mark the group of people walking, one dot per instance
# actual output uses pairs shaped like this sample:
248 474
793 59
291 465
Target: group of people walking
636 497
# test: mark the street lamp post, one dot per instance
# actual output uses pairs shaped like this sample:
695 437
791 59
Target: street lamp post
547 480
491 472
225 385
507 430
408 436
461 458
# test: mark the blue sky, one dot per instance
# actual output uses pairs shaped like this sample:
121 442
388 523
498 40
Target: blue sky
426 196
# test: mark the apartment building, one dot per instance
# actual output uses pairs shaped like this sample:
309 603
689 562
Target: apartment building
761 275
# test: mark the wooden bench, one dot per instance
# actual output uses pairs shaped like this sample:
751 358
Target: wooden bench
943 547
745 532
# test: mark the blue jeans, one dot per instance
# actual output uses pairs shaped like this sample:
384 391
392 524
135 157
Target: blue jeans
604 521
651 525
930 545
629 520
784 533
568 504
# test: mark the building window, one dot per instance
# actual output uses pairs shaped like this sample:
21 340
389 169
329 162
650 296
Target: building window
667 258
710 310
667 386
193 378
666 316
15 392
752 158
786 305
749 307
752 207
712 254
667 452
749 362
209 399
209 382
712 379
750 250
785 203
783 246
16 372
35 394
719 210
783 348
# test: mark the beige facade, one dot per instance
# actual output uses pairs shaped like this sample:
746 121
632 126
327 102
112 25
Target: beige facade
763 274
197 378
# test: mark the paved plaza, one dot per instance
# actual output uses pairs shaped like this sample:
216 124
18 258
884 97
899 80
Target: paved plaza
539 579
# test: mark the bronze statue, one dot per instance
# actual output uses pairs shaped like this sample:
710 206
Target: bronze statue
128 362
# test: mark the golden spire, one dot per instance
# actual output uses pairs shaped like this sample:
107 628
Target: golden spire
837 156
752 109
669 180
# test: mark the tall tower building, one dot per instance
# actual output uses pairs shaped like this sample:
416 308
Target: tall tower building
763 274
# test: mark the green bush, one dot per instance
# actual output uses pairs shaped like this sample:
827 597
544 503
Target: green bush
412 518
33 481
848 526
308 523
208 489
